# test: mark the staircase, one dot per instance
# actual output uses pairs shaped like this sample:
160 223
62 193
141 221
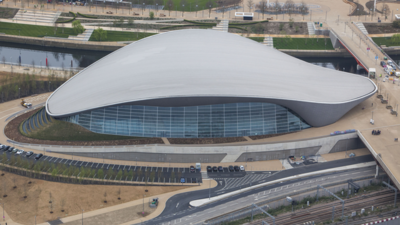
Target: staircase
360 26
36 16
311 28
268 41
222 26
85 36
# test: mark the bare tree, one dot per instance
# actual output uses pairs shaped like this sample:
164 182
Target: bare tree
55 28
304 9
183 4
277 8
50 201
119 194
4 188
14 181
385 10
262 7
210 4
250 4
290 7
25 190
105 197
4 60
170 6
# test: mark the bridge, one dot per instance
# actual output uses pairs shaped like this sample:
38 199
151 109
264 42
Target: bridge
385 148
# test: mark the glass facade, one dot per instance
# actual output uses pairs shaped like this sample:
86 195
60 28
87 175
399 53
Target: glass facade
207 121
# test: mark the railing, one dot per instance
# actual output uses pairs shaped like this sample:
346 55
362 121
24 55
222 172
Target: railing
74 69
377 46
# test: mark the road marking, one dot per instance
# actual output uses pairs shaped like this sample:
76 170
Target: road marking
76 163
177 205
45 158
81 163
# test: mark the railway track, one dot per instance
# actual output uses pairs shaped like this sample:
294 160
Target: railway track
323 212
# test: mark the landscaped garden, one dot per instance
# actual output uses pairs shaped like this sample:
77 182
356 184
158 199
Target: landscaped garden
299 43
35 30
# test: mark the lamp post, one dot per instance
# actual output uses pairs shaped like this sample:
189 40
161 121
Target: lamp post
143 8
209 14
358 13
183 7
196 10
384 13
156 8
143 205
82 216
19 92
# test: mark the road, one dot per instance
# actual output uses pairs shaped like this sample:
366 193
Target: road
178 211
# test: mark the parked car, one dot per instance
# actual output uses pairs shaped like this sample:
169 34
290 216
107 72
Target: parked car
192 170
28 154
241 168
38 156
183 180
236 168
194 180
383 63
220 169
209 169
20 152
231 168
215 169
390 63
10 149
14 150
7 147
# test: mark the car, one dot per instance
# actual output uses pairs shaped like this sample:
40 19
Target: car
38 156
192 170
20 152
209 169
390 62
231 168
220 169
10 149
241 168
194 180
383 63
7 147
215 169
28 154
15 150
236 168
183 180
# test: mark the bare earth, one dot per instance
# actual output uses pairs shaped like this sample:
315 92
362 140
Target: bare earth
76 197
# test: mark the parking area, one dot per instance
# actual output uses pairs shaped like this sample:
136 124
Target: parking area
116 172
249 179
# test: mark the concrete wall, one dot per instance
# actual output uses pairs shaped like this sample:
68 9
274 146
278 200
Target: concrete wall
208 153
317 53
335 41
58 43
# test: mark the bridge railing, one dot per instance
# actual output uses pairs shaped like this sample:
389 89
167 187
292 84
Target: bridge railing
348 49
377 46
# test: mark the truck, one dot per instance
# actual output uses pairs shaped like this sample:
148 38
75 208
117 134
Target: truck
371 73
389 70
26 104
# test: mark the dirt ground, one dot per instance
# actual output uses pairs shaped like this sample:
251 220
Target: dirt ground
73 197
380 28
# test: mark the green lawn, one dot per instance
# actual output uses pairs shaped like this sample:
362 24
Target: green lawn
34 30
384 41
123 36
299 43
190 5
60 131
303 43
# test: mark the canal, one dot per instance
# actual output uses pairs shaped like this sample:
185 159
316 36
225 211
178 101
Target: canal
64 58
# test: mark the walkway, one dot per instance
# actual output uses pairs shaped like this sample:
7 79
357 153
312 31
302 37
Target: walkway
36 16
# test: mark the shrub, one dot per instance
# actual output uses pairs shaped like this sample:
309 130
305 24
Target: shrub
396 24
151 14
291 21
78 28
395 39
69 20
281 26
87 16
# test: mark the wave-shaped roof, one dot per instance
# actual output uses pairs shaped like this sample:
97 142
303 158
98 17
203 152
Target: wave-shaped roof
202 63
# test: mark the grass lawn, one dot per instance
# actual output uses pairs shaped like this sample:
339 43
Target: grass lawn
303 43
299 43
123 36
33 30
384 41
60 131
190 5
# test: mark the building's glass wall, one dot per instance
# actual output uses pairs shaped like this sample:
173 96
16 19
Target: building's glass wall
224 120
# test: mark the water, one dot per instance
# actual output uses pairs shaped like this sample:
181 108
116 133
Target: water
58 57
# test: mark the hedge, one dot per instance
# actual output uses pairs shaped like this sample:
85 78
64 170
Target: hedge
187 25
70 20
236 27
201 23
238 24
87 16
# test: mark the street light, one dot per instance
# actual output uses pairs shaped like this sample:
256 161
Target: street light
143 205
183 7
82 216
143 8
196 10
209 12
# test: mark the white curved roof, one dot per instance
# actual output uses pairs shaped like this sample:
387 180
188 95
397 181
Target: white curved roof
206 63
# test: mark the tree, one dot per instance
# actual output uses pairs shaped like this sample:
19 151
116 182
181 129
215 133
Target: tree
77 27
105 197
385 10
119 194
119 175
55 28
290 7
209 4
100 174
250 4
278 8
99 34
130 21
4 60
262 7
395 39
62 204
170 6
151 15
182 5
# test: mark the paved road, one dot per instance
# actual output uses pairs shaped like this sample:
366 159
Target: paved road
177 207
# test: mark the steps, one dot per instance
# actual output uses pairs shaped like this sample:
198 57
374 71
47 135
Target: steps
311 28
36 16
362 28
85 36
268 41
222 26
